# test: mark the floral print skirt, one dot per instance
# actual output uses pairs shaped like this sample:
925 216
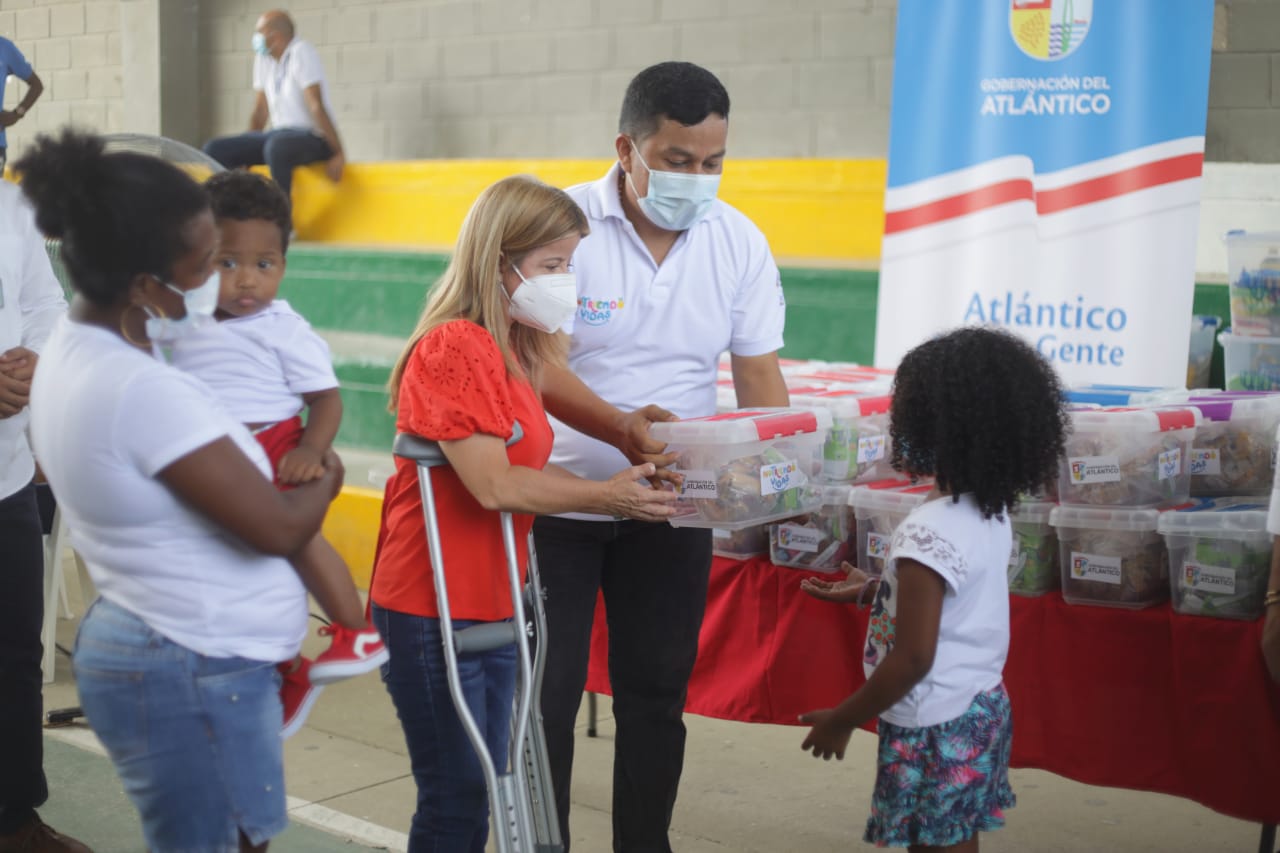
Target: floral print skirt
940 785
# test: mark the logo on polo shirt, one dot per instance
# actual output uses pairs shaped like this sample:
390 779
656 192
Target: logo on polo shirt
598 312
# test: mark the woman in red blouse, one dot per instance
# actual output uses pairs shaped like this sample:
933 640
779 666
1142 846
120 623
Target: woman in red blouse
470 370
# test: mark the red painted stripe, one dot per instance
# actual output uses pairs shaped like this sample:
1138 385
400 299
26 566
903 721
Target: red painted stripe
958 205
1130 180
771 424
1145 176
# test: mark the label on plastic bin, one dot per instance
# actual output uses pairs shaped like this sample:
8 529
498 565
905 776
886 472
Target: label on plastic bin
721 533
870 449
699 484
1204 578
1094 469
793 537
779 476
1095 567
877 546
1169 464
1205 461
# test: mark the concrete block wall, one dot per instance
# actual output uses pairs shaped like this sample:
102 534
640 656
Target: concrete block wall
1244 83
75 48
544 78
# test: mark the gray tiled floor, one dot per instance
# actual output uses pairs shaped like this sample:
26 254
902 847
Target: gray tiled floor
746 789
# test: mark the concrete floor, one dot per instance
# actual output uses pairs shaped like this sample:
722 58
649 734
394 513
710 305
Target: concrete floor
746 788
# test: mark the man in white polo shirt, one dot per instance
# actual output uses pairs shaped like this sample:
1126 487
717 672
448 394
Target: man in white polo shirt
30 304
291 92
668 279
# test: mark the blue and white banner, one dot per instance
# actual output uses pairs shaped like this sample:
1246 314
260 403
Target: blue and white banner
1044 175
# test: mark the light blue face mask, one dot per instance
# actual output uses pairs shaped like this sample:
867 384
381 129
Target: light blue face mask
675 200
260 45
200 303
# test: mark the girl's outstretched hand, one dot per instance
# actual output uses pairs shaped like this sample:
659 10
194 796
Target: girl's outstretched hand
829 735
850 590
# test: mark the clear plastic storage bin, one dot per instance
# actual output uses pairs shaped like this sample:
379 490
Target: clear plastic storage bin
740 544
1234 450
1033 565
1112 557
1219 557
1250 363
1204 331
820 540
857 448
748 467
877 512
1253 273
1128 457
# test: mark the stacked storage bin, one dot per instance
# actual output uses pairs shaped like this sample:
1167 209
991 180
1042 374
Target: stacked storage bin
819 541
1251 347
878 509
1122 466
1219 557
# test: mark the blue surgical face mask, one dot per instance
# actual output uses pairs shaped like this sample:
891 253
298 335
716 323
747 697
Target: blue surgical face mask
200 303
675 200
260 45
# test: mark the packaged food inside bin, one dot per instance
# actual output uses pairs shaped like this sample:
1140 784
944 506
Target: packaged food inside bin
857 448
740 544
1253 276
1128 457
878 509
1234 450
1033 565
1111 556
747 467
1219 557
819 540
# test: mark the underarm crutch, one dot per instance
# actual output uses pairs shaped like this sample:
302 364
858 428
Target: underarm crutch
520 793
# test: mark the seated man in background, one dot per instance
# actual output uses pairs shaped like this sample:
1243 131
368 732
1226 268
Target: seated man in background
291 93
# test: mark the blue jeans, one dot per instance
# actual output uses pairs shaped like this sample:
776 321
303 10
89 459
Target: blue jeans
194 739
453 805
282 150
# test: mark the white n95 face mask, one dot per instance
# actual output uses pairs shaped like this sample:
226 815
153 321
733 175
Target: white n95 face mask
544 302
675 200
200 303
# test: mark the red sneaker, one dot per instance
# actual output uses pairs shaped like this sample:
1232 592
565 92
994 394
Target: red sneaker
351 653
298 693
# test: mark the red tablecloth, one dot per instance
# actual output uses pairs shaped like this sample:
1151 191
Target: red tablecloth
1145 699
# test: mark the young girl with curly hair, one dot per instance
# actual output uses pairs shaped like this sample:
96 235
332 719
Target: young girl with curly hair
981 412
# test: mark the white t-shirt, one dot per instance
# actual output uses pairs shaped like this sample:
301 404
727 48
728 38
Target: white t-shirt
284 80
30 303
971 554
106 418
259 366
654 334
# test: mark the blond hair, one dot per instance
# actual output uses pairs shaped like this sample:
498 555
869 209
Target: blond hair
510 219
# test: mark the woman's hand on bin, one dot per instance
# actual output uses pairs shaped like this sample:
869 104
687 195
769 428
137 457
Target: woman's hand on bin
628 498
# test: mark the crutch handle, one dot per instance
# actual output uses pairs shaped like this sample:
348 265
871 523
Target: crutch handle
428 453
485 637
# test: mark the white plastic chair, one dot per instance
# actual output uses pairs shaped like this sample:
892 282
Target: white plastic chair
56 583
